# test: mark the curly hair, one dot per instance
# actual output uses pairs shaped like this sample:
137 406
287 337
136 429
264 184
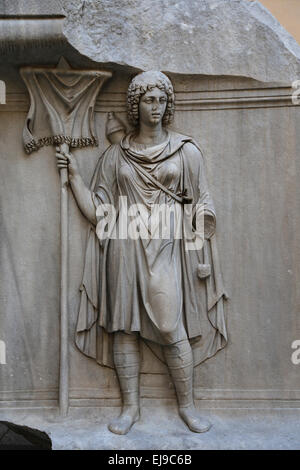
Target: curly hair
144 82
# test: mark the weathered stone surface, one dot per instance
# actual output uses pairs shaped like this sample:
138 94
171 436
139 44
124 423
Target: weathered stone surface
216 37
17 8
32 24
30 32
249 134
161 428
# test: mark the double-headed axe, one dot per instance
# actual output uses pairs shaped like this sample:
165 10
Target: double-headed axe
67 97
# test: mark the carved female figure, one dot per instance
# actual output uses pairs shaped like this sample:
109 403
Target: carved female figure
149 288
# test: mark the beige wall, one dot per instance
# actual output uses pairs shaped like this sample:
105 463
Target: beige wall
287 13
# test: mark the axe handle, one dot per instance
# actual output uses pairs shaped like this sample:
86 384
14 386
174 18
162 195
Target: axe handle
64 323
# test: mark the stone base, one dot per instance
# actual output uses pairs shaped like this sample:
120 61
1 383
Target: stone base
162 429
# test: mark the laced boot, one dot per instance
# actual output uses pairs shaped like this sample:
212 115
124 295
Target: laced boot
179 358
127 364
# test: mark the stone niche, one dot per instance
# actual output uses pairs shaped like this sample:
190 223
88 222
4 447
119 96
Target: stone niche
233 67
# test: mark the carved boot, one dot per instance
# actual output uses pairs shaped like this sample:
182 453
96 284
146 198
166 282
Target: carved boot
127 364
179 358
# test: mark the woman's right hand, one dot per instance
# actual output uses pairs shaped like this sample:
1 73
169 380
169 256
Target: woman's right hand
68 161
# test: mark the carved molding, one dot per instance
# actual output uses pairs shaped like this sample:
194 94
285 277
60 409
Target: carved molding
199 393
34 32
109 393
206 101
185 101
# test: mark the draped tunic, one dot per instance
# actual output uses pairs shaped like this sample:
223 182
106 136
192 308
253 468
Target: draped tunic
143 283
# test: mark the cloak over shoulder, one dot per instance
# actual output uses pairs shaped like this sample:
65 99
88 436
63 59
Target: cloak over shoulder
203 299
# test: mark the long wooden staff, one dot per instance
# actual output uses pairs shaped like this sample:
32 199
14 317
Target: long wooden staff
67 97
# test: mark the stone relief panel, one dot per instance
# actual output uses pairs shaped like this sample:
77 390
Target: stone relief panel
248 133
163 288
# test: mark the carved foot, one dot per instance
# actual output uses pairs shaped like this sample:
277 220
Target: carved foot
193 420
125 421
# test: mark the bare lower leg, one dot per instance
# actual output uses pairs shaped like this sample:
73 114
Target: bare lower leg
179 358
127 359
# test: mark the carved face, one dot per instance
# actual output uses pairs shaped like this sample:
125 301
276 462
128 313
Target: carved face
152 106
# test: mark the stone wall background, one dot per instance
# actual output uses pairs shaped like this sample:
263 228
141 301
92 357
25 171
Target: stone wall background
248 131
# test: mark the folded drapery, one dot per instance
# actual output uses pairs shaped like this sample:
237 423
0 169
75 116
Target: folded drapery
67 98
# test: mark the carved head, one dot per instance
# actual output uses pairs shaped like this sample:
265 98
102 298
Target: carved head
144 82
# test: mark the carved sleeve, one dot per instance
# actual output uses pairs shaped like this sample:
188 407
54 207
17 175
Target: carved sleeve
201 196
104 187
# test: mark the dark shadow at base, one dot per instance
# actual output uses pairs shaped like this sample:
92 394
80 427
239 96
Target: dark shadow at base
16 437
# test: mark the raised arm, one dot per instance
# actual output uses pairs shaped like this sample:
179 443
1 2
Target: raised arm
82 194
